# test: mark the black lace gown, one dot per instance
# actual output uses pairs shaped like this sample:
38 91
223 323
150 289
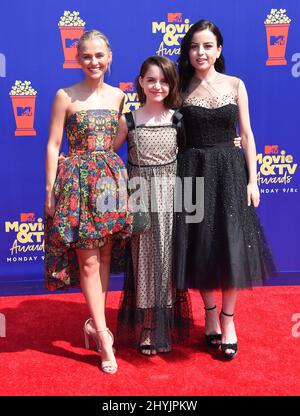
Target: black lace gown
227 249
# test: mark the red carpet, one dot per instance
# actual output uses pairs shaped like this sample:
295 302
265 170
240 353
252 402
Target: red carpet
43 352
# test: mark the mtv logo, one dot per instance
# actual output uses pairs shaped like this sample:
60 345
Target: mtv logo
277 40
271 149
24 111
27 216
126 86
175 17
71 43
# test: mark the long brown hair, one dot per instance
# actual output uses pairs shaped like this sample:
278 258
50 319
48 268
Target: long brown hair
168 68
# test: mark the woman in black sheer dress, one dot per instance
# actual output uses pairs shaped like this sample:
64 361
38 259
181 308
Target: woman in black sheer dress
227 249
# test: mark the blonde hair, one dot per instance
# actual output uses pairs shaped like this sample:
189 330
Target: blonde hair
93 34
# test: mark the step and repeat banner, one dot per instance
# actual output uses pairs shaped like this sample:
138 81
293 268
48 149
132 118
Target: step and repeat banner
37 56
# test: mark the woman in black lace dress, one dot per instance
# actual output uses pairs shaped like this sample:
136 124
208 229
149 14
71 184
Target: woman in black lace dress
226 249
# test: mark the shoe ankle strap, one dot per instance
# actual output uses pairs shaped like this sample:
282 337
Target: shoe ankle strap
226 314
102 330
210 309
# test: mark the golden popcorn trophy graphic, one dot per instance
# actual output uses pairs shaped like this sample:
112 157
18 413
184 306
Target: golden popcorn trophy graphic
277 26
23 100
71 27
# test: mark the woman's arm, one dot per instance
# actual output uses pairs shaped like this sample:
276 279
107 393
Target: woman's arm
121 133
58 115
122 102
248 145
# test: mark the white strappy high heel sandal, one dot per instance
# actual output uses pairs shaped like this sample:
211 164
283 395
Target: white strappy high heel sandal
108 366
90 331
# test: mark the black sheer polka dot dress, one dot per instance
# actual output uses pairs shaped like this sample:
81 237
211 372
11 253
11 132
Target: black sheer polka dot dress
227 248
151 305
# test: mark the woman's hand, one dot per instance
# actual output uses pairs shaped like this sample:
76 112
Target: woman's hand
121 133
253 194
49 205
61 157
237 142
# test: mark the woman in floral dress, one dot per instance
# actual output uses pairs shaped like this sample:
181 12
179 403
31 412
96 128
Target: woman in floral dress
86 214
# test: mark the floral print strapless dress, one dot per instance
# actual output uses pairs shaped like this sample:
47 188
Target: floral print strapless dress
91 198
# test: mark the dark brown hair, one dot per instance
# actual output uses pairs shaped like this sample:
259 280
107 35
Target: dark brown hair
168 68
185 69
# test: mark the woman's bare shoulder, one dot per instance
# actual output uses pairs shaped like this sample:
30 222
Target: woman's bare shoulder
115 91
70 90
231 80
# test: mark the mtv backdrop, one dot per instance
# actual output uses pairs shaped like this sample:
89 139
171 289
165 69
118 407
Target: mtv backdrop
37 56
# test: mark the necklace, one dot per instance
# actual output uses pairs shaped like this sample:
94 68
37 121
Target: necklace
200 80
208 86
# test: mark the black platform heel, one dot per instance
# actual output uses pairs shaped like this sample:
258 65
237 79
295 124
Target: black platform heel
213 340
224 347
146 348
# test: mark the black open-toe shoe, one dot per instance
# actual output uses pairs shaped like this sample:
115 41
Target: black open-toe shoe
213 340
145 348
225 347
163 349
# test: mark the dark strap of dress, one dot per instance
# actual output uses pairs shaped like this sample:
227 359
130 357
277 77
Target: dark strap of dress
179 125
130 121
177 122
